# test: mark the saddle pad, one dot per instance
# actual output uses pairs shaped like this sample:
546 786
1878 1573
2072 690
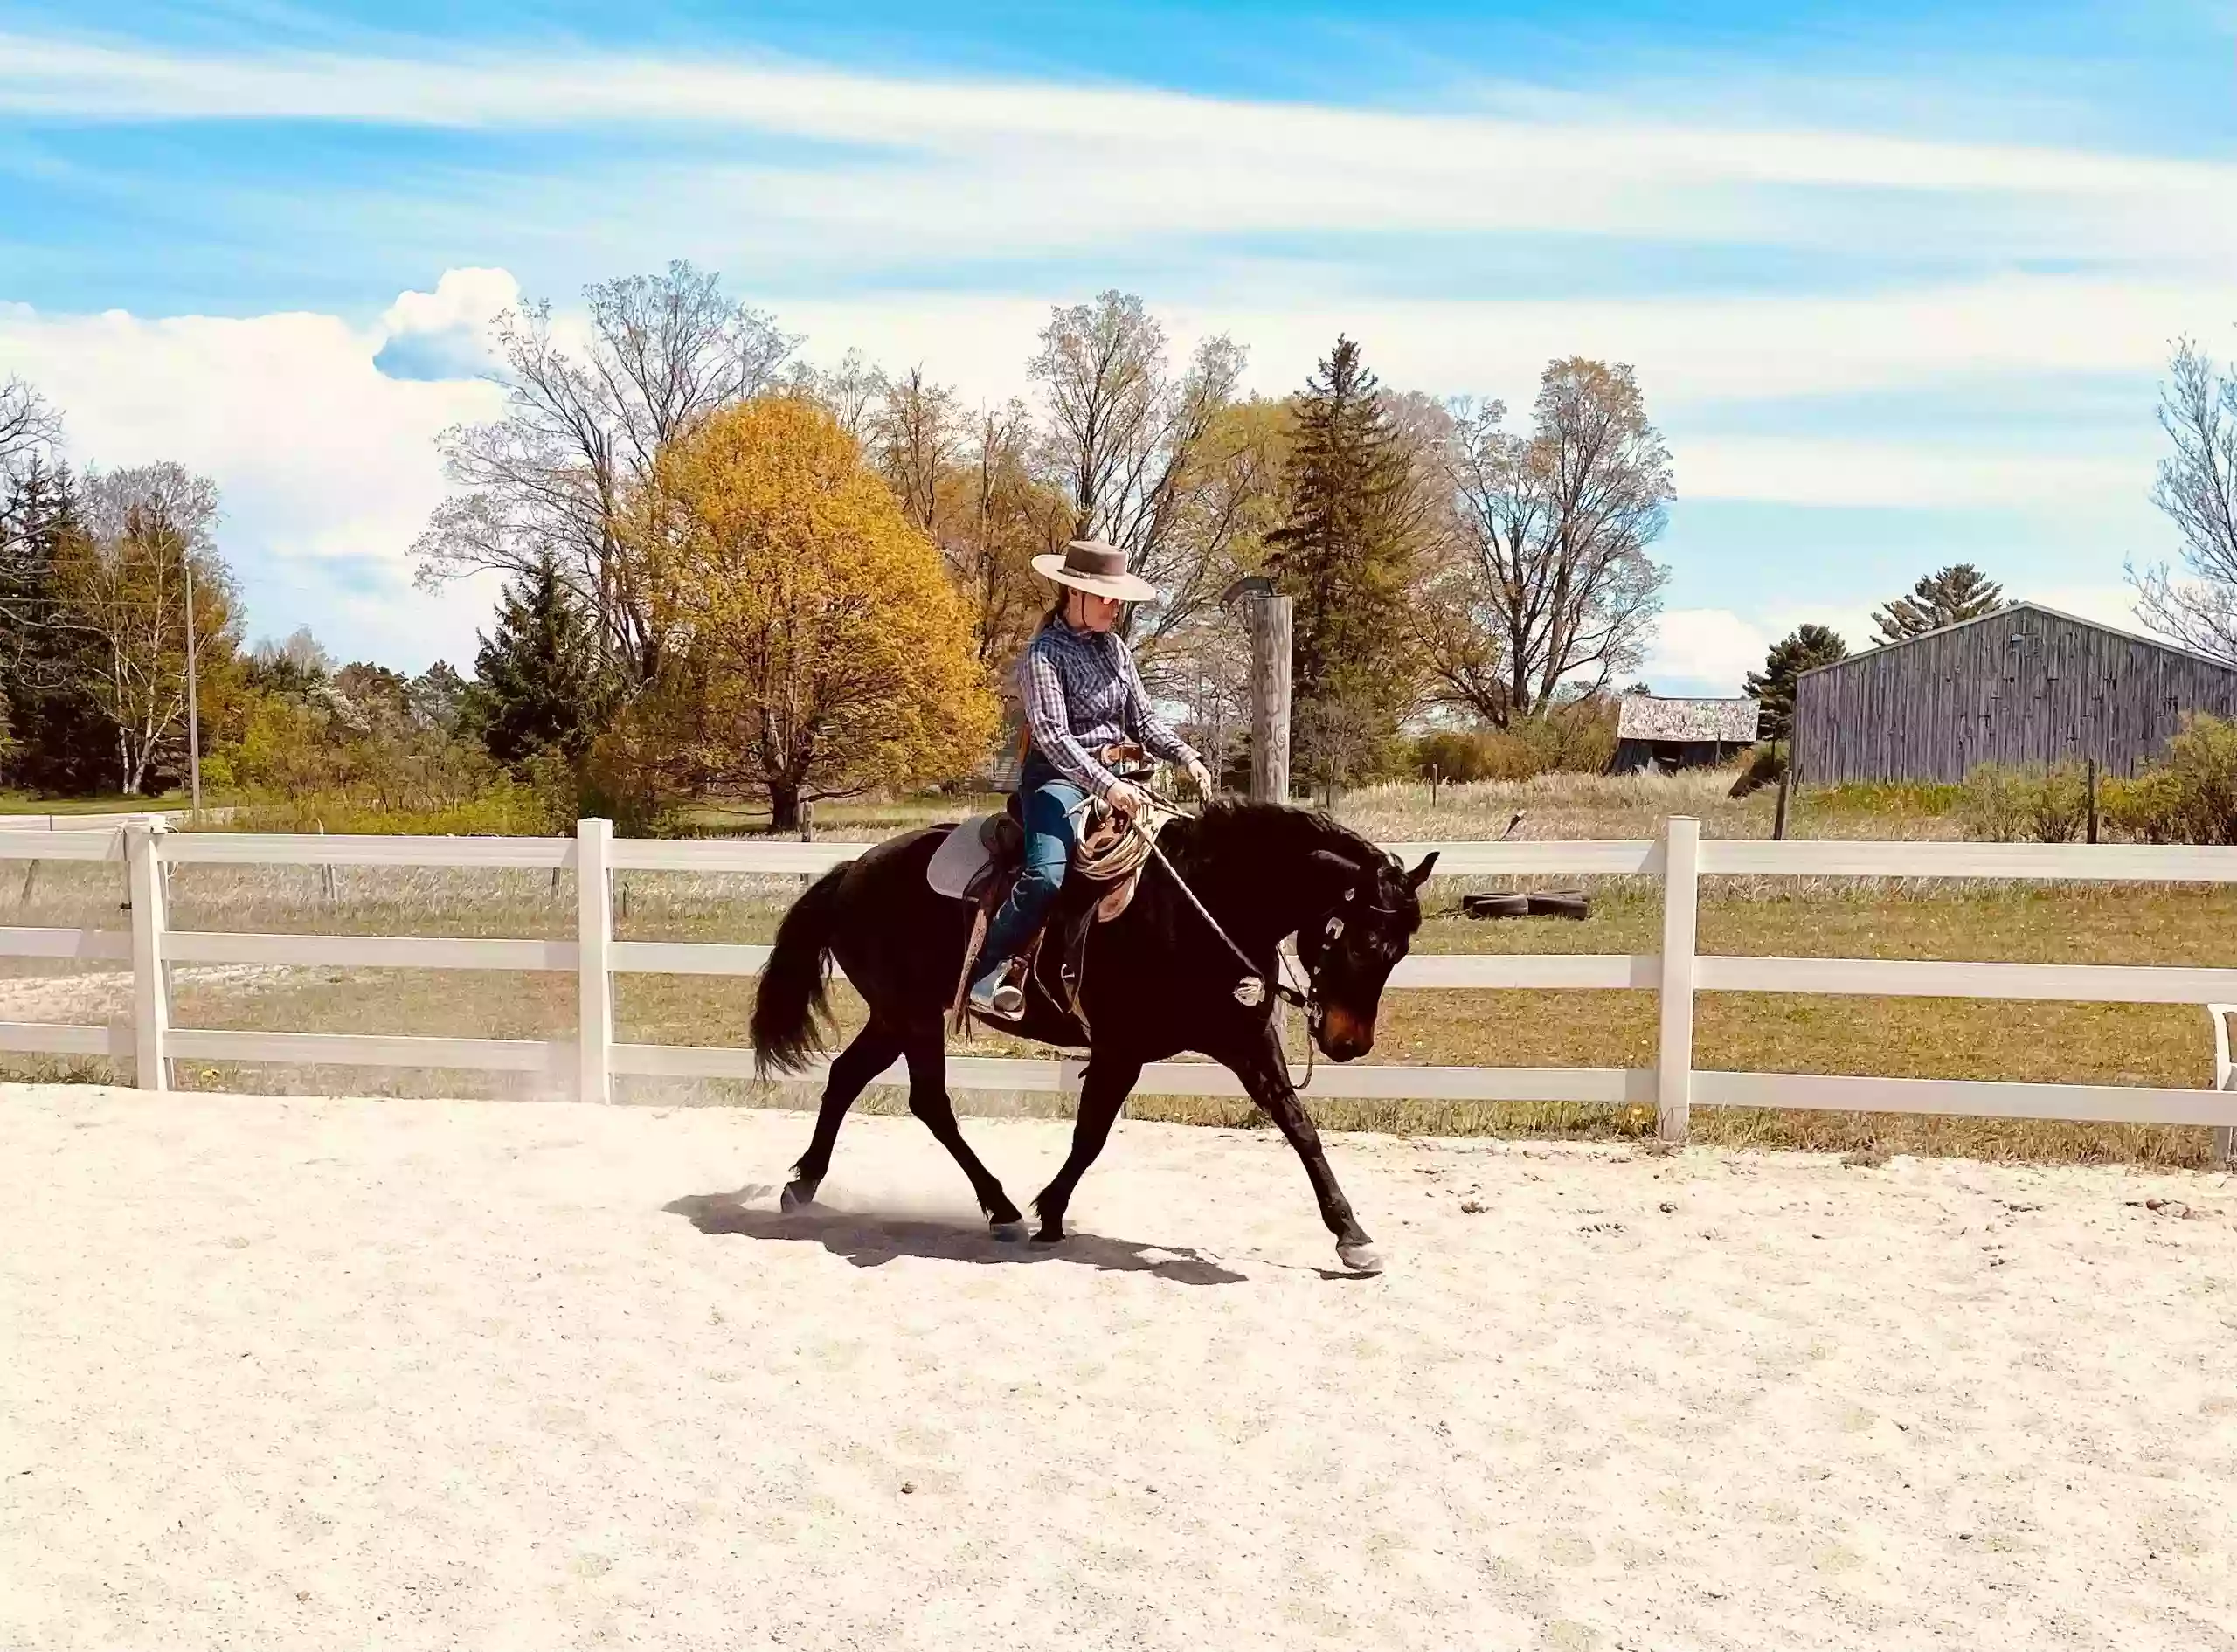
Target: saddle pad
962 856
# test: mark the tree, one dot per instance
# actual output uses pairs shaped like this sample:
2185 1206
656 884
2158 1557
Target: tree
1547 585
540 684
121 585
1958 592
29 427
545 483
815 647
1804 648
1124 440
440 701
1345 556
58 739
2198 489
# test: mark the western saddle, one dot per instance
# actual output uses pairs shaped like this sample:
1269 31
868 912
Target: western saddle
982 857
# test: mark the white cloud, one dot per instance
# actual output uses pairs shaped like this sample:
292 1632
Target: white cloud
327 467
1708 648
974 166
1832 471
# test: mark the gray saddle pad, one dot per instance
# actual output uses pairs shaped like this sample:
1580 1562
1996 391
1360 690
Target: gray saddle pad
962 856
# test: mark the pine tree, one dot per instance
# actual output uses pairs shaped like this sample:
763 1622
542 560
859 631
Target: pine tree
59 744
540 681
1803 649
1344 556
1959 591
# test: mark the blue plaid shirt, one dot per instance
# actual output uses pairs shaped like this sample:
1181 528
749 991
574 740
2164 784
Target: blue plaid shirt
1082 694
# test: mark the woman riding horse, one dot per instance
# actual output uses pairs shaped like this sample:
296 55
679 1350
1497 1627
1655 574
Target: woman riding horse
1186 966
1081 696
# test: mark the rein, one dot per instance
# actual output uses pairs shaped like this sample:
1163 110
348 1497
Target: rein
1250 990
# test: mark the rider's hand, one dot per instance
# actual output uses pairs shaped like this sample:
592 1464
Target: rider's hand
1202 777
1127 799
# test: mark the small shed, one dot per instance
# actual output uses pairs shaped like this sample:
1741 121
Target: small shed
1659 734
2026 684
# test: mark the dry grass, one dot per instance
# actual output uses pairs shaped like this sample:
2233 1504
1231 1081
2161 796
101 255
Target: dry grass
2118 1044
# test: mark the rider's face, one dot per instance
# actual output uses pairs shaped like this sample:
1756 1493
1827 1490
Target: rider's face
1091 612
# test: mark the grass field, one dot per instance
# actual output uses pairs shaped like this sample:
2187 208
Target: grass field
2114 1044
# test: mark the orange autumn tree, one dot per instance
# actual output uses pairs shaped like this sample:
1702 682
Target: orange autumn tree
810 643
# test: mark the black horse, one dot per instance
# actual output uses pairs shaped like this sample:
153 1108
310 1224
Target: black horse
1159 979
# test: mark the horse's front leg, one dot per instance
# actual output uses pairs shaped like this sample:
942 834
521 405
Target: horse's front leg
1265 1073
1104 1089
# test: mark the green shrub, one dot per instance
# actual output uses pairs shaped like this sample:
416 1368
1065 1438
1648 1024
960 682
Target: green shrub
1578 739
2189 796
2030 804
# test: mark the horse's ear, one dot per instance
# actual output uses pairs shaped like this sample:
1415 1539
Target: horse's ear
1420 874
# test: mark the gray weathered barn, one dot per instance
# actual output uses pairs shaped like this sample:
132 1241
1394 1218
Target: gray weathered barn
1657 732
2024 685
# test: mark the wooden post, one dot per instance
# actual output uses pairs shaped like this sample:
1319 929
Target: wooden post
2090 772
808 822
151 1008
1673 1067
1269 699
594 959
1778 818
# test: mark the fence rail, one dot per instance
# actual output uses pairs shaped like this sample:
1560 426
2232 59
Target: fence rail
1677 973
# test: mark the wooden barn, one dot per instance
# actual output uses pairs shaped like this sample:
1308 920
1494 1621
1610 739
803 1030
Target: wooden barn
2024 685
1654 732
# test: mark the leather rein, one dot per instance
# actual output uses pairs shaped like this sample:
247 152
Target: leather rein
1250 990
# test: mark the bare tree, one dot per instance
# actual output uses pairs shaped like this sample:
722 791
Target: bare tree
1548 584
914 434
2198 489
550 479
28 425
1124 440
122 583
851 390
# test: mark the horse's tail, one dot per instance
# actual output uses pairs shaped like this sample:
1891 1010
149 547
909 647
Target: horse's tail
790 1000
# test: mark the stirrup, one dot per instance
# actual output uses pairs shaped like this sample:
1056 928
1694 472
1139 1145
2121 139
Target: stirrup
1000 998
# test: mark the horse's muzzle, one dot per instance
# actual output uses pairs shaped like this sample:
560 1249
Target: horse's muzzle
1344 1036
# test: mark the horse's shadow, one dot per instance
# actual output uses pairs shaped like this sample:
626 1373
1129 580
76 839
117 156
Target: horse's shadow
870 1241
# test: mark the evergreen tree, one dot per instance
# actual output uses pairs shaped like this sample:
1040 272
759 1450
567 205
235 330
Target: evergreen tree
59 743
1959 591
1803 649
1345 555
540 681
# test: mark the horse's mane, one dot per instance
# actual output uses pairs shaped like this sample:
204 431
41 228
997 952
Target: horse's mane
1229 830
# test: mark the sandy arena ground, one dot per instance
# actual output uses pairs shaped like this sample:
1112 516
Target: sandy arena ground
401 1374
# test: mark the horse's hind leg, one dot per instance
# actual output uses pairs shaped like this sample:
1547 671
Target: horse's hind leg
928 1100
1103 1089
870 1053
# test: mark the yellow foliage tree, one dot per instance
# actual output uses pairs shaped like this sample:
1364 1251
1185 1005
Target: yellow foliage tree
811 643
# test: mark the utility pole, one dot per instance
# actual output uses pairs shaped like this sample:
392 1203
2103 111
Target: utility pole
193 698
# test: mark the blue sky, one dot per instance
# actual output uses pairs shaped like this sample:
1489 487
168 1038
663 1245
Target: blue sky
1899 281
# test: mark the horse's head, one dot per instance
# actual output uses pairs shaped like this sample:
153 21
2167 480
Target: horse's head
1349 950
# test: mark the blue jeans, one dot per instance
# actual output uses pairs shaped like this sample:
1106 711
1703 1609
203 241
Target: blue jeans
1053 808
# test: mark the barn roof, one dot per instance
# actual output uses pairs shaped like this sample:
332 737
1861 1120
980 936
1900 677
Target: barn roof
1653 718
2160 643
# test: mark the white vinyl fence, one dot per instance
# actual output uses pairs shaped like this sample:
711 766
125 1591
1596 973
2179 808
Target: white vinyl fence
1680 859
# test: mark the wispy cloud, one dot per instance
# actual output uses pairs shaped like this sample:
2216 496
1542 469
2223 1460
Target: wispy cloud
1057 163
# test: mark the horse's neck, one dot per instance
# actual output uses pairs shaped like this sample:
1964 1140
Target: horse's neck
1260 892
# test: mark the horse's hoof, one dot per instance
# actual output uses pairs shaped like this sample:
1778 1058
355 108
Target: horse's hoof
796 1197
1008 1233
1048 1236
1360 1259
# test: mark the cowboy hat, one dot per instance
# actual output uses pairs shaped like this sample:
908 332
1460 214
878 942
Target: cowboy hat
1096 568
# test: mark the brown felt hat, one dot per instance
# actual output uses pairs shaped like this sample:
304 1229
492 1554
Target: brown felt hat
1100 570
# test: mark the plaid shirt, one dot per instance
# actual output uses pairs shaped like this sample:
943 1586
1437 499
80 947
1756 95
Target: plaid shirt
1082 694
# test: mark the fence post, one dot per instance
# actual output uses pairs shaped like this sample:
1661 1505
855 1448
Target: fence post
594 941
151 999
1673 1065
